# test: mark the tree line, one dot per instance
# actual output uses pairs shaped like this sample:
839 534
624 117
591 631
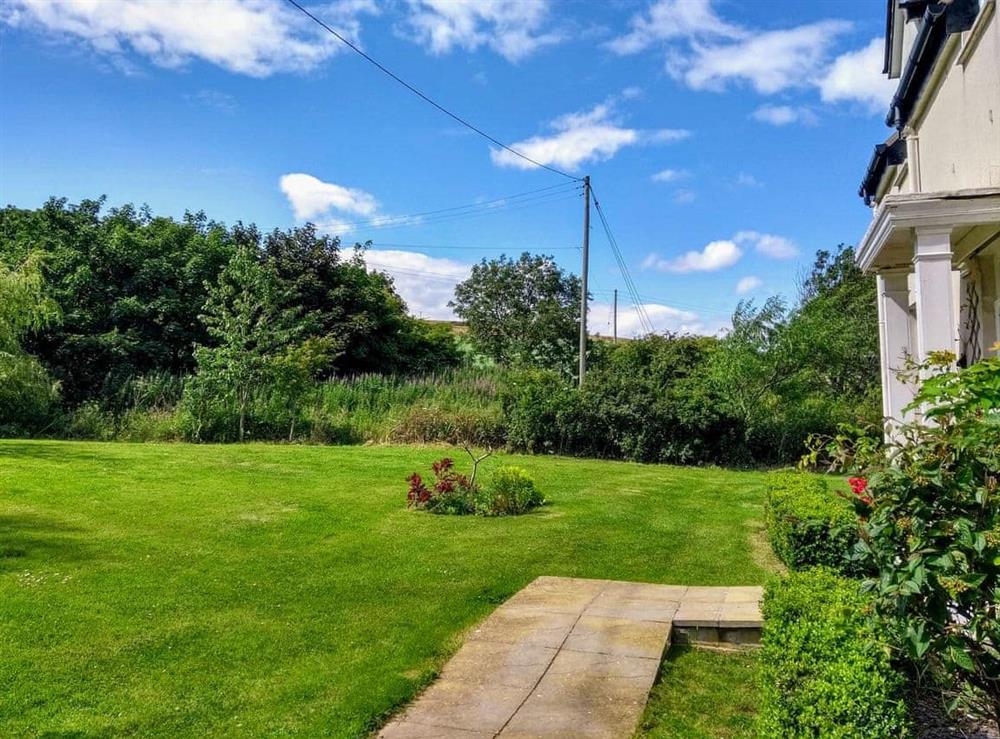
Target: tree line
229 333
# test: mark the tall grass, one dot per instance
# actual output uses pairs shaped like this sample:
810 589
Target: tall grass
384 407
452 405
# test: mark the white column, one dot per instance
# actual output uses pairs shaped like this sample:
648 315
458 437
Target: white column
988 302
894 340
937 329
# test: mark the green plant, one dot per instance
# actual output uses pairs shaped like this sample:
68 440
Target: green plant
509 492
89 421
808 525
423 424
930 508
450 493
824 671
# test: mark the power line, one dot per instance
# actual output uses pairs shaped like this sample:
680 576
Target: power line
426 99
512 249
623 267
458 212
671 303
640 310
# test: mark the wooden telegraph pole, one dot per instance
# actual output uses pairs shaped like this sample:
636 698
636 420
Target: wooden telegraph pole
583 277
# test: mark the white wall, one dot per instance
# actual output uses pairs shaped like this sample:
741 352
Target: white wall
959 133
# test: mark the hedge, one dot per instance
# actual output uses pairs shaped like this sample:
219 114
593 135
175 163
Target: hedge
824 670
808 525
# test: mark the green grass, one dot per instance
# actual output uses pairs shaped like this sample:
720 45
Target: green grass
702 695
178 590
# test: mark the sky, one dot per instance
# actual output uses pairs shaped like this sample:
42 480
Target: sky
725 139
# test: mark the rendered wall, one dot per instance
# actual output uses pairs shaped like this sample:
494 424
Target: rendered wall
959 132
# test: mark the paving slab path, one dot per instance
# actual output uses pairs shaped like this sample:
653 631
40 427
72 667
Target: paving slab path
568 657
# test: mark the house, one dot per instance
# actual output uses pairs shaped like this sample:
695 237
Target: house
934 188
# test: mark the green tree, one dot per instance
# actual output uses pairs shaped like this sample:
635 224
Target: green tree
250 328
522 311
130 287
838 316
357 310
27 394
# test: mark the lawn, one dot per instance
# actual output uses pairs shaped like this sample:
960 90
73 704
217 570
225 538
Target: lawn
178 590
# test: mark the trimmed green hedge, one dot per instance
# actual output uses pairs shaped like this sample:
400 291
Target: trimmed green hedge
824 671
808 525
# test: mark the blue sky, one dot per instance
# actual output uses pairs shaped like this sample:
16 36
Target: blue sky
724 139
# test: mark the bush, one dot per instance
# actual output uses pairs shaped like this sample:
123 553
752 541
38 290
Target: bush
88 421
452 492
808 525
510 492
824 671
149 425
930 512
423 425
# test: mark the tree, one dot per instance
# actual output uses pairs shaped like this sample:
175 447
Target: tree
27 394
357 310
129 285
250 328
838 316
522 311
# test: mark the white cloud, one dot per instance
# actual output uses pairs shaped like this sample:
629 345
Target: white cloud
252 37
706 52
782 115
669 175
857 76
310 197
512 28
716 255
748 180
684 196
664 318
748 284
426 283
586 136
776 247
769 62
672 19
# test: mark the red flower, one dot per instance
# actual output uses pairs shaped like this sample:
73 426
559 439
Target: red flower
858 485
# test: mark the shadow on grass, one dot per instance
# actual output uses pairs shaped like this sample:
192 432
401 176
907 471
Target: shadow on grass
49 451
25 536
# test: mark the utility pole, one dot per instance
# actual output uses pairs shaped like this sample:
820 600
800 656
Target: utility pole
583 277
614 319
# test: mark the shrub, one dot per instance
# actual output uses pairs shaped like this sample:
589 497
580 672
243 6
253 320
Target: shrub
930 509
808 525
88 421
824 671
424 425
510 492
149 425
452 492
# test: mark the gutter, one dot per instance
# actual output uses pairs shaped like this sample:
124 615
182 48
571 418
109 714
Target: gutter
926 47
891 153
939 20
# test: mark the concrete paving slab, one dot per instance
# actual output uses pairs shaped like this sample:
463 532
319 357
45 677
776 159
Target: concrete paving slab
515 625
411 730
611 606
621 637
499 663
470 706
586 695
698 614
571 657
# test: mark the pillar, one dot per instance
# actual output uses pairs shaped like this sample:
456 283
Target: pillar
894 340
937 329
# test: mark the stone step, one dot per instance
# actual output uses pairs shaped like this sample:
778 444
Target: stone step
569 657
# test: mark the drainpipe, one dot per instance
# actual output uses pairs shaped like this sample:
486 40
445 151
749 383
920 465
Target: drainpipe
913 157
